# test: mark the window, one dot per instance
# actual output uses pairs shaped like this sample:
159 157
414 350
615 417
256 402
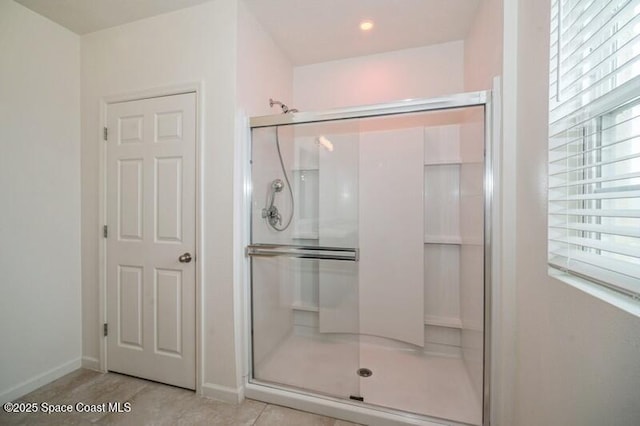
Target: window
594 142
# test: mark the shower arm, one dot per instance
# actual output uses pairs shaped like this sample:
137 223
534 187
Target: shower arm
285 108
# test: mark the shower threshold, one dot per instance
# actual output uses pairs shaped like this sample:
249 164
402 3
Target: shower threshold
349 410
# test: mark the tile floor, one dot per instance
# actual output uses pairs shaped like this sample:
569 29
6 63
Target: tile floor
151 404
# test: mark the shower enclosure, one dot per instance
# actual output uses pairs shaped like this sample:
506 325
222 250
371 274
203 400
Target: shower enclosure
369 259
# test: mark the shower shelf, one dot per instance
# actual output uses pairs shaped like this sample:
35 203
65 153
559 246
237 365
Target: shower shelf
448 322
305 169
304 307
437 239
474 242
453 161
452 240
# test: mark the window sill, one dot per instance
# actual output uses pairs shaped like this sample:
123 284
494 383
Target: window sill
611 297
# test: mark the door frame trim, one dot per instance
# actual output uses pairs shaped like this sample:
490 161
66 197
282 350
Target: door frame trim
105 101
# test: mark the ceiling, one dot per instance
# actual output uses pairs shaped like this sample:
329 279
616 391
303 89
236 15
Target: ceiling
307 31
87 16
311 31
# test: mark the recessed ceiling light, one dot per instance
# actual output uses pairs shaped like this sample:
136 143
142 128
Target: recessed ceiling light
366 25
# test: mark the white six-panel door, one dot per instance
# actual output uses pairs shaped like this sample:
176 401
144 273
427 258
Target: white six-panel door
151 177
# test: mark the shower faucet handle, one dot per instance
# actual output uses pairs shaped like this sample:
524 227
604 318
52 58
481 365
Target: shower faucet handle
270 212
272 215
275 217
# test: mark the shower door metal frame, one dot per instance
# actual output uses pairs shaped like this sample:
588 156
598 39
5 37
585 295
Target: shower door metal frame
304 399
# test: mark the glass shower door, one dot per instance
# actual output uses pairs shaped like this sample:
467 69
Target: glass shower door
368 255
304 277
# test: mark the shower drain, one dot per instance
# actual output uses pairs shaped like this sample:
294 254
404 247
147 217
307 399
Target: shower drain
364 372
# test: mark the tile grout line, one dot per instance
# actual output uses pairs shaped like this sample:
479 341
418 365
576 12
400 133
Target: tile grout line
261 411
106 416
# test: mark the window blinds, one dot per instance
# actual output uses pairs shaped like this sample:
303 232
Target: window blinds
594 143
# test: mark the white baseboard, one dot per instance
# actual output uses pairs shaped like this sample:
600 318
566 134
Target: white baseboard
91 363
34 383
223 393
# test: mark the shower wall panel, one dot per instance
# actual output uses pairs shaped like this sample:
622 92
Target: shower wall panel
272 318
339 191
338 227
442 144
391 216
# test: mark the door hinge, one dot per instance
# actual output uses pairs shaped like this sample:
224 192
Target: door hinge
105 329
105 133
105 231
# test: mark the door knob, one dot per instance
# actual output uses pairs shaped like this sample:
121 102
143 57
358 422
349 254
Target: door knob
185 258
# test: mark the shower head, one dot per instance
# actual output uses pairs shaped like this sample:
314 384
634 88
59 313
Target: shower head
277 185
285 109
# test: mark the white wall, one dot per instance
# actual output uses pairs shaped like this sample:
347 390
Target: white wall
420 72
483 46
40 215
263 69
578 358
197 44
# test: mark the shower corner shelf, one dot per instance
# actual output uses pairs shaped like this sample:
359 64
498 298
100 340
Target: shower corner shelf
443 162
304 307
449 322
442 239
306 169
472 242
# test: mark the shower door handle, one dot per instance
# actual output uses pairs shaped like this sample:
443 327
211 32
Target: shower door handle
303 252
